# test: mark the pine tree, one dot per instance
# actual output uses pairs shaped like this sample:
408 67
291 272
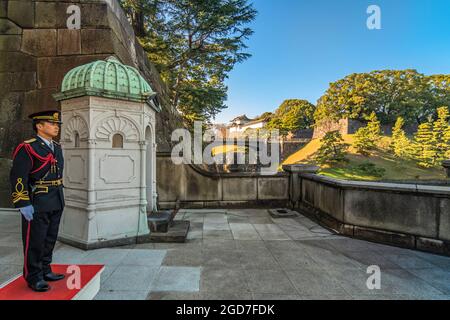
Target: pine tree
373 127
332 148
366 137
400 144
440 135
447 139
363 143
424 146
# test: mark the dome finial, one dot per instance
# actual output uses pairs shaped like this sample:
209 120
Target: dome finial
112 59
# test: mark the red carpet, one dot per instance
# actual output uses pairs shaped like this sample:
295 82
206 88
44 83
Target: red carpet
18 289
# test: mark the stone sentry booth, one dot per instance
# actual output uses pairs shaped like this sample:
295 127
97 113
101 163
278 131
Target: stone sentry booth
108 139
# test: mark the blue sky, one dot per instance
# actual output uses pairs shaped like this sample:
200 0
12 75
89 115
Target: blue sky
300 46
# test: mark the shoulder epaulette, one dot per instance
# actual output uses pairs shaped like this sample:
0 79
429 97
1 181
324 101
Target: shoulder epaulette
30 141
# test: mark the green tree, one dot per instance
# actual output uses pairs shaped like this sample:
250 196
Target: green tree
400 144
424 145
366 137
332 148
388 93
439 86
440 135
447 138
292 115
363 143
265 116
373 127
194 44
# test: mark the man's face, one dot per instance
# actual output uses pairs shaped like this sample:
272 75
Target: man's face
49 129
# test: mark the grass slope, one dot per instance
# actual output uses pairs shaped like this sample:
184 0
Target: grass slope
395 169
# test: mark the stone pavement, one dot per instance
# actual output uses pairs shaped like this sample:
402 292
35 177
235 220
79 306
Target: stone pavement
246 254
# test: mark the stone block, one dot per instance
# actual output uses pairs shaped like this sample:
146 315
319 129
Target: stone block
273 188
17 62
18 81
347 230
381 236
51 70
39 42
444 226
430 245
3 8
329 200
39 100
11 106
94 15
326 198
10 136
403 212
96 41
69 42
46 16
200 187
22 13
10 42
54 14
9 27
237 189
166 173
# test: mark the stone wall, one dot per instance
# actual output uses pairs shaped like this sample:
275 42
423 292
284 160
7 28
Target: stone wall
194 187
407 215
350 126
37 50
289 147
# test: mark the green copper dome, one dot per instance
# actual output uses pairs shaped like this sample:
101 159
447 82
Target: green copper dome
105 78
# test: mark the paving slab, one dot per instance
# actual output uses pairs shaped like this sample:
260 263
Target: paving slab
144 257
105 256
183 257
125 278
310 281
217 234
220 280
269 281
244 231
259 259
221 258
186 279
270 232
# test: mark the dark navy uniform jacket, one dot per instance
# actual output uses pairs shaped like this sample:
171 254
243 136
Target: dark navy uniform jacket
34 162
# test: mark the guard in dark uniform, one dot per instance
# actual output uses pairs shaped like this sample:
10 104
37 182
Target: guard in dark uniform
37 191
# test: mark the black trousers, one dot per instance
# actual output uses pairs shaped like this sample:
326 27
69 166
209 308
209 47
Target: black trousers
39 237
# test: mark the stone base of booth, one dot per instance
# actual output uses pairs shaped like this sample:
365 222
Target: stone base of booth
105 243
177 233
397 239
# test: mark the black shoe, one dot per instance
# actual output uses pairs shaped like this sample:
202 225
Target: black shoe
53 276
40 286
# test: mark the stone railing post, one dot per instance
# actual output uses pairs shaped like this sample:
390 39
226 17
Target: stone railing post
446 165
295 181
